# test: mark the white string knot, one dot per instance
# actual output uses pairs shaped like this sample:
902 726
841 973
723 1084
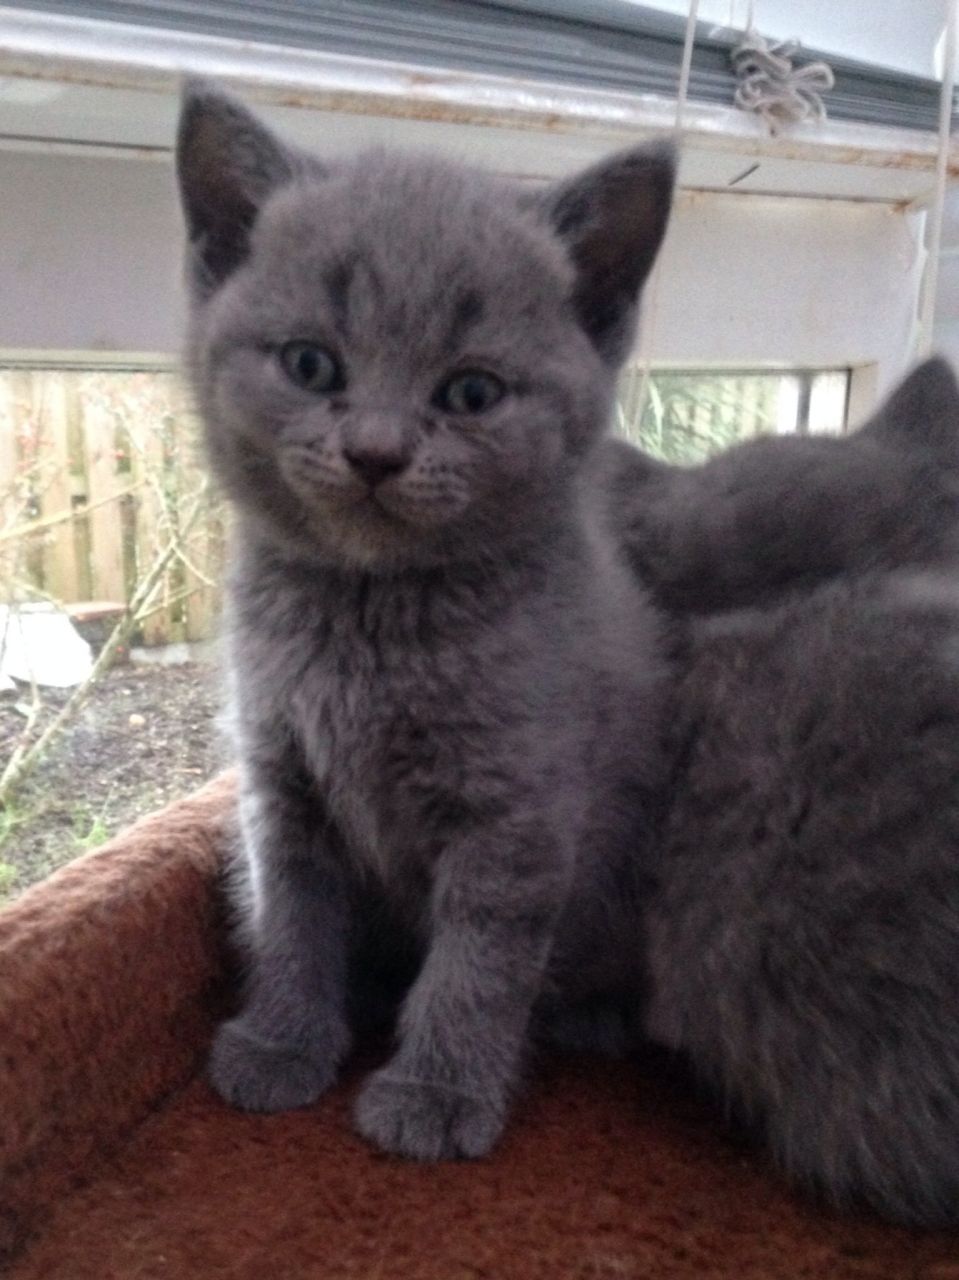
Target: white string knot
770 85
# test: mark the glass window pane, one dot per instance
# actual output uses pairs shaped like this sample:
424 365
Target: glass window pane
684 416
827 400
787 404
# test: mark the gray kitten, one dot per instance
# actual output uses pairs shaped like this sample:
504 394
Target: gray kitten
447 692
803 933
782 513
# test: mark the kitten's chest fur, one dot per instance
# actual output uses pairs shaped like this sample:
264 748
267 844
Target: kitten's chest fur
379 685
373 736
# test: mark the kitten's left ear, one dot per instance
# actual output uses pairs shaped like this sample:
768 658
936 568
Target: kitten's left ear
227 164
612 219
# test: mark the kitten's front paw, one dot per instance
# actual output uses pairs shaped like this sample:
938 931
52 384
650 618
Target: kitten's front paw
259 1075
426 1121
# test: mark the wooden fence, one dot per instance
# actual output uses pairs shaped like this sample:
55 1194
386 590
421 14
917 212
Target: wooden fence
98 469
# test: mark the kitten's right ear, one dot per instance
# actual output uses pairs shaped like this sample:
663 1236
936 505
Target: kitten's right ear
923 409
612 219
227 164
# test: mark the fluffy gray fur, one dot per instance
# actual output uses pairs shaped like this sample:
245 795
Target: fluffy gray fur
804 932
446 683
782 513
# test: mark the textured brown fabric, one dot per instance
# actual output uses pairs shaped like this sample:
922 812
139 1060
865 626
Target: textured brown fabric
602 1176
607 1171
106 976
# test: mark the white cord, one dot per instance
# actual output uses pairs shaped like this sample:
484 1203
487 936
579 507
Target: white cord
771 86
686 64
651 299
934 225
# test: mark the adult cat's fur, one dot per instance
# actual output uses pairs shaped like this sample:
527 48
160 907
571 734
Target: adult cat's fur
446 686
804 930
782 513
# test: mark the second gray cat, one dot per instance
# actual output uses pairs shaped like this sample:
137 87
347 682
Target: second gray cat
783 513
803 931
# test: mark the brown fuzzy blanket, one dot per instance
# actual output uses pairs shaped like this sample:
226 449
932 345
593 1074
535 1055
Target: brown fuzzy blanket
117 1163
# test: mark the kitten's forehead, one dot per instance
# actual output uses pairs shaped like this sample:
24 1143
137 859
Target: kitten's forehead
414 237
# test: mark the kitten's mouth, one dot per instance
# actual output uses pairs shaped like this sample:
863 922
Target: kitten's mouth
392 511
380 505
381 509
377 498
326 493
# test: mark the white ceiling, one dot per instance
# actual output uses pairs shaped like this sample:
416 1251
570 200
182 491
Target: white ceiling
127 99
72 82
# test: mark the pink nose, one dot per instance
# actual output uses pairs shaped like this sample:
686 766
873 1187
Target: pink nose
375 465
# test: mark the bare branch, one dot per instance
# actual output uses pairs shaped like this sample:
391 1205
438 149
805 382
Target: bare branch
16 771
62 517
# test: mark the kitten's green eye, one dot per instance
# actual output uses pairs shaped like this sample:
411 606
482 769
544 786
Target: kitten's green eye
470 392
311 367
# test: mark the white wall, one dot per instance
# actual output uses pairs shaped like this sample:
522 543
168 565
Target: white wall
90 260
89 254
786 281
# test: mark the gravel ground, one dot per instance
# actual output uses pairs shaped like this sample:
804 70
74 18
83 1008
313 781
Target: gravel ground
148 735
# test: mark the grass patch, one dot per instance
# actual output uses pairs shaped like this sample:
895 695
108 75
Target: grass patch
90 831
8 874
11 819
